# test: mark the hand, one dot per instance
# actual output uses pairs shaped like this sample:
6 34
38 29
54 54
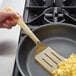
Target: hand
6 19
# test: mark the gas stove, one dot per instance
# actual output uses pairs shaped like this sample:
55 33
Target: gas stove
40 12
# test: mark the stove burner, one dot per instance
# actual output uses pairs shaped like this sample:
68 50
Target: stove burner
40 12
39 16
54 14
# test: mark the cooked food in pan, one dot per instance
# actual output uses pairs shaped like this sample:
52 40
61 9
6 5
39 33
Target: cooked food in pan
66 67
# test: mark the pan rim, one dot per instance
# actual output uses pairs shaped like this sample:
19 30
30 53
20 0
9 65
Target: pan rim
17 52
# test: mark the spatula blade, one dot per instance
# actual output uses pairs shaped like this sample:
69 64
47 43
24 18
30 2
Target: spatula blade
49 59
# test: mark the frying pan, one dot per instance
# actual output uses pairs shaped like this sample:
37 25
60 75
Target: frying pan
59 36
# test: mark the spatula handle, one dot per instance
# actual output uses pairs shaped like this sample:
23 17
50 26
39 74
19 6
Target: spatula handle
27 30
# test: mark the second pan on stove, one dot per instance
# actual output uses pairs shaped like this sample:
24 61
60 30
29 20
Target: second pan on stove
59 36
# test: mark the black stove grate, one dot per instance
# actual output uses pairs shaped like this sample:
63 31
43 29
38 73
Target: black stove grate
40 12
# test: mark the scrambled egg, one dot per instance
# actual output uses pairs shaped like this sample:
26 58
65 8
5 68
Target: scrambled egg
66 67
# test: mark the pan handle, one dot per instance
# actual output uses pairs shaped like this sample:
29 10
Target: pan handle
27 30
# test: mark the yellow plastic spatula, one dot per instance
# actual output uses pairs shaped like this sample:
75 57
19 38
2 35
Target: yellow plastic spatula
45 56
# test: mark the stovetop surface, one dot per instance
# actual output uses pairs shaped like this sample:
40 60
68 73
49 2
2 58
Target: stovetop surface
40 12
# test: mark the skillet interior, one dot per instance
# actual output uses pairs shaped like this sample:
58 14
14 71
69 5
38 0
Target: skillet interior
61 37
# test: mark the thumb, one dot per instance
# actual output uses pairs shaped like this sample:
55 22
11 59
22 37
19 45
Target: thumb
11 15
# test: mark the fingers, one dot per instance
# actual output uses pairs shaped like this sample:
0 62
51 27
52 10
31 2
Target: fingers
9 24
6 26
11 15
